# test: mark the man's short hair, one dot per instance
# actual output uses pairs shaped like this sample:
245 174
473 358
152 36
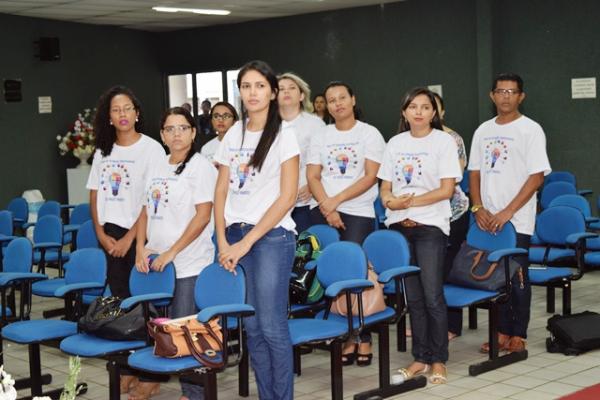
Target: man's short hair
508 76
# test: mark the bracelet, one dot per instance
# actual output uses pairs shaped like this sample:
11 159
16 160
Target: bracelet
476 208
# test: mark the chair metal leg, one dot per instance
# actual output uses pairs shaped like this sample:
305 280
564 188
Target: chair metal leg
36 380
401 334
566 298
550 299
210 385
472 317
337 381
243 374
297 361
114 380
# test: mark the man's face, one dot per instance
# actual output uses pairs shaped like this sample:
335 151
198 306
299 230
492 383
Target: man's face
205 108
507 97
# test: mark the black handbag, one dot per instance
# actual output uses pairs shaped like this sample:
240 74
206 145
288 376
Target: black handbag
573 334
472 269
304 287
105 318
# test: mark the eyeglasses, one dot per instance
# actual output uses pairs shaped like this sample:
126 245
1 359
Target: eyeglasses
125 110
171 129
504 92
222 117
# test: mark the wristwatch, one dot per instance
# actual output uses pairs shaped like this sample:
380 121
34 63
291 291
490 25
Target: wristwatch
476 208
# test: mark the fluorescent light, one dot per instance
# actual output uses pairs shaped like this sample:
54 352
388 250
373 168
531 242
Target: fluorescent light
192 10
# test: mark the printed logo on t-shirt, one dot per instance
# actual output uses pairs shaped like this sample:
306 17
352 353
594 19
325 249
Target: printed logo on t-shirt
157 196
496 152
115 178
240 173
408 167
342 160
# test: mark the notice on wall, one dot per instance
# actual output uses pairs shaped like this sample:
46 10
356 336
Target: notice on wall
436 89
45 105
583 88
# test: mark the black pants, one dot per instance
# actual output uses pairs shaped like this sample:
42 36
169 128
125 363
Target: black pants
119 268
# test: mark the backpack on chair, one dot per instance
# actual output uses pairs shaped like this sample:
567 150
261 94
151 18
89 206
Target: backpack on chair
304 287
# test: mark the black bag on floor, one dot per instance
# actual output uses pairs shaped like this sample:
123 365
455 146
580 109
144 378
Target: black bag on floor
573 334
304 287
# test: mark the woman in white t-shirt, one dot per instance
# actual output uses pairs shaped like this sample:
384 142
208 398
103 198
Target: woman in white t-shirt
222 117
419 170
116 182
176 218
256 190
294 100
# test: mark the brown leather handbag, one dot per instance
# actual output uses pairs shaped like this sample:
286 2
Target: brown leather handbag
187 336
372 299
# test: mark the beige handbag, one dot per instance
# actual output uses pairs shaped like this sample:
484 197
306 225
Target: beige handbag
372 298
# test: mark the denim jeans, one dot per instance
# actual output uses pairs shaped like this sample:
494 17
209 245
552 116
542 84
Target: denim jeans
183 304
425 293
268 266
514 315
301 216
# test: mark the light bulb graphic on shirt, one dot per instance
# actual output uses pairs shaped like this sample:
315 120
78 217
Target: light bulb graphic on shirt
115 181
342 162
156 199
407 170
242 172
495 156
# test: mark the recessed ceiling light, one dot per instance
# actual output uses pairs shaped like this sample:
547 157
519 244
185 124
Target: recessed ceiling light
192 10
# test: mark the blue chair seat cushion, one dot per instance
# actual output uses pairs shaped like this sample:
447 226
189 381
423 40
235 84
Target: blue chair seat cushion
536 254
86 345
295 308
50 256
459 297
145 360
47 287
306 330
388 313
37 331
592 259
543 275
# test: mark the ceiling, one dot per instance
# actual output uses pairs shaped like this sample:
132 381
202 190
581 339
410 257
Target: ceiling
138 14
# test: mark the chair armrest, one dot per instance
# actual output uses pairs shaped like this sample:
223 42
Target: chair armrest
227 310
47 245
309 266
573 238
335 288
28 225
495 256
10 277
71 228
18 220
584 192
590 220
392 273
63 206
6 238
133 300
61 291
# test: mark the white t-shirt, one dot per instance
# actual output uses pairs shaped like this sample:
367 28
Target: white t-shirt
120 178
342 156
305 125
210 148
171 204
416 165
506 155
251 192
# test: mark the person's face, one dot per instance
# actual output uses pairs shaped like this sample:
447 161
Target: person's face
122 113
419 112
339 103
177 133
256 92
319 104
289 93
222 119
205 108
507 97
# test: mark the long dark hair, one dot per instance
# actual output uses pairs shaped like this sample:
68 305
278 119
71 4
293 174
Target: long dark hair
357 111
326 117
106 134
436 122
273 124
188 116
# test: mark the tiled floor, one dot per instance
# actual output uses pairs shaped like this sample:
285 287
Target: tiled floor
542 376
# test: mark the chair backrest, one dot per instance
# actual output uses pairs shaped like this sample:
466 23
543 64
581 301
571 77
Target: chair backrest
19 208
86 236
554 224
152 282
560 176
482 240
50 207
212 280
80 214
6 223
18 256
464 184
555 189
326 234
379 211
341 261
386 249
86 265
48 229
573 200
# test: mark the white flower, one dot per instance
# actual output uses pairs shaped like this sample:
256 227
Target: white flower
58 138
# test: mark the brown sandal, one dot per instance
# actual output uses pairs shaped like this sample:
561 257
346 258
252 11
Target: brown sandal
502 344
144 390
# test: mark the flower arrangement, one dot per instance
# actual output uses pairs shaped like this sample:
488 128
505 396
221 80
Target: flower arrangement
7 390
80 139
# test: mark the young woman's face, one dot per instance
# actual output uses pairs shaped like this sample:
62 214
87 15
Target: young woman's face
339 103
319 104
177 133
222 119
419 112
256 92
289 93
122 113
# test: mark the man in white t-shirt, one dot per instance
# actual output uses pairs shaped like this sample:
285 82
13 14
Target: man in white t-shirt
507 165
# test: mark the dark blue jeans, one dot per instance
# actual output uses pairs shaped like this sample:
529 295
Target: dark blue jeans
357 227
268 266
425 293
301 216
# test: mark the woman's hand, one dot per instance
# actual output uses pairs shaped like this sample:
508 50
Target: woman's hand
121 247
304 194
160 262
335 220
107 242
141 259
402 202
231 255
328 206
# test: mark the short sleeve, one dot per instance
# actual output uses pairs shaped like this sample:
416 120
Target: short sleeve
314 150
536 156
92 182
386 172
221 155
288 144
460 144
475 155
204 179
374 145
449 166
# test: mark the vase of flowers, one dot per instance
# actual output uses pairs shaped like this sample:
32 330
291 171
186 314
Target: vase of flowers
80 139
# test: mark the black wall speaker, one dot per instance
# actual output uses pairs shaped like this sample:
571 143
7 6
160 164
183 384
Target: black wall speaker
48 49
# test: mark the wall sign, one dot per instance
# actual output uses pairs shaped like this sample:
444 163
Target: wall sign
583 88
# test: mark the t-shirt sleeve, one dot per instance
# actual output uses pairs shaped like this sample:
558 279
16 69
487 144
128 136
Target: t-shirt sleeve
475 155
221 156
314 150
460 144
374 146
92 182
288 145
449 166
537 158
386 172
204 180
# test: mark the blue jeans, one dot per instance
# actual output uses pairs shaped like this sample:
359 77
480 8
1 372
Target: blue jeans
301 216
357 227
183 304
425 293
268 266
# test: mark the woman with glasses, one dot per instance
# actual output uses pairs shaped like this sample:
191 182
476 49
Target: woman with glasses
176 221
256 190
294 100
222 115
419 169
116 182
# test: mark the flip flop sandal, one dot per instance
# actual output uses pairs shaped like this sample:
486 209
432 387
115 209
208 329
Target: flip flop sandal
439 377
406 374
